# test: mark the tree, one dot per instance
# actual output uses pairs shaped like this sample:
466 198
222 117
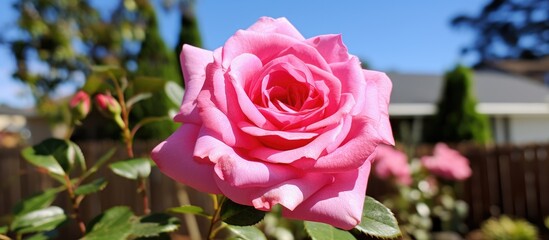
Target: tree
67 38
456 119
156 60
508 29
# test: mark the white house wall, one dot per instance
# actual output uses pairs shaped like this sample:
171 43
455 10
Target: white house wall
526 129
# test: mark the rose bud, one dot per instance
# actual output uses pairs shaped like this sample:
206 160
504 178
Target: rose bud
79 105
109 107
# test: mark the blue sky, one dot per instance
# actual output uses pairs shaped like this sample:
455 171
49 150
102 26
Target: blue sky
400 35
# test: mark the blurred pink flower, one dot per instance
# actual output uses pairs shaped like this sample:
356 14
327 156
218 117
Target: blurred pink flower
80 105
107 104
447 163
392 163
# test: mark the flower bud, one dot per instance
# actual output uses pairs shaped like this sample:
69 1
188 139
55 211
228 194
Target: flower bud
109 107
79 105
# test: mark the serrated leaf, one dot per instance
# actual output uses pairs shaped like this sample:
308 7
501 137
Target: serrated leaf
92 187
115 223
190 209
174 92
35 202
133 168
240 215
321 231
247 232
56 155
40 220
378 220
154 224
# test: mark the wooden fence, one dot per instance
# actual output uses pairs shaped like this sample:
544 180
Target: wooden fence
512 180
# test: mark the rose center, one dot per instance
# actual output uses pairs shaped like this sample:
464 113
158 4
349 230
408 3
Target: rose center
286 93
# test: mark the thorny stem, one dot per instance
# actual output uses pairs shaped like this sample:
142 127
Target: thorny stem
128 140
75 200
215 217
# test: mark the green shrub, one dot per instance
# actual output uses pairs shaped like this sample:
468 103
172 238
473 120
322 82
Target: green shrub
506 228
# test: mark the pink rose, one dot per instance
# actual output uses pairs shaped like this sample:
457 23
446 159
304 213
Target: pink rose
392 163
447 163
274 118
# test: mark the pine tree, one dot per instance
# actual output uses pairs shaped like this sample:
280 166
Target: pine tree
456 119
155 59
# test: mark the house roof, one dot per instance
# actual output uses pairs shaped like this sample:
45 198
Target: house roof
497 94
6 110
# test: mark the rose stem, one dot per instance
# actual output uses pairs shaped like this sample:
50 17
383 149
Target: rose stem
75 200
215 217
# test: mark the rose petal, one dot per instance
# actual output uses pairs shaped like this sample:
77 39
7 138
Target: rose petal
279 25
193 63
239 172
352 81
174 158
220 125
292 192
338 204
359 146
265 45
378 94
331 47
283 140
307 54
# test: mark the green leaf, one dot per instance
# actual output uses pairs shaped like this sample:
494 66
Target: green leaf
56 155
79 156
133 168
95 186
174 92
154 224
35 202
108 155
40 220
321 231
247 232
3 229
378 220
115 223
189 209
240 215
47 162
137 98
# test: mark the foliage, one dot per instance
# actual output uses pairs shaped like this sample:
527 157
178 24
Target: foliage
508 29
456 119
155 59
505 228
427 205
67 38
